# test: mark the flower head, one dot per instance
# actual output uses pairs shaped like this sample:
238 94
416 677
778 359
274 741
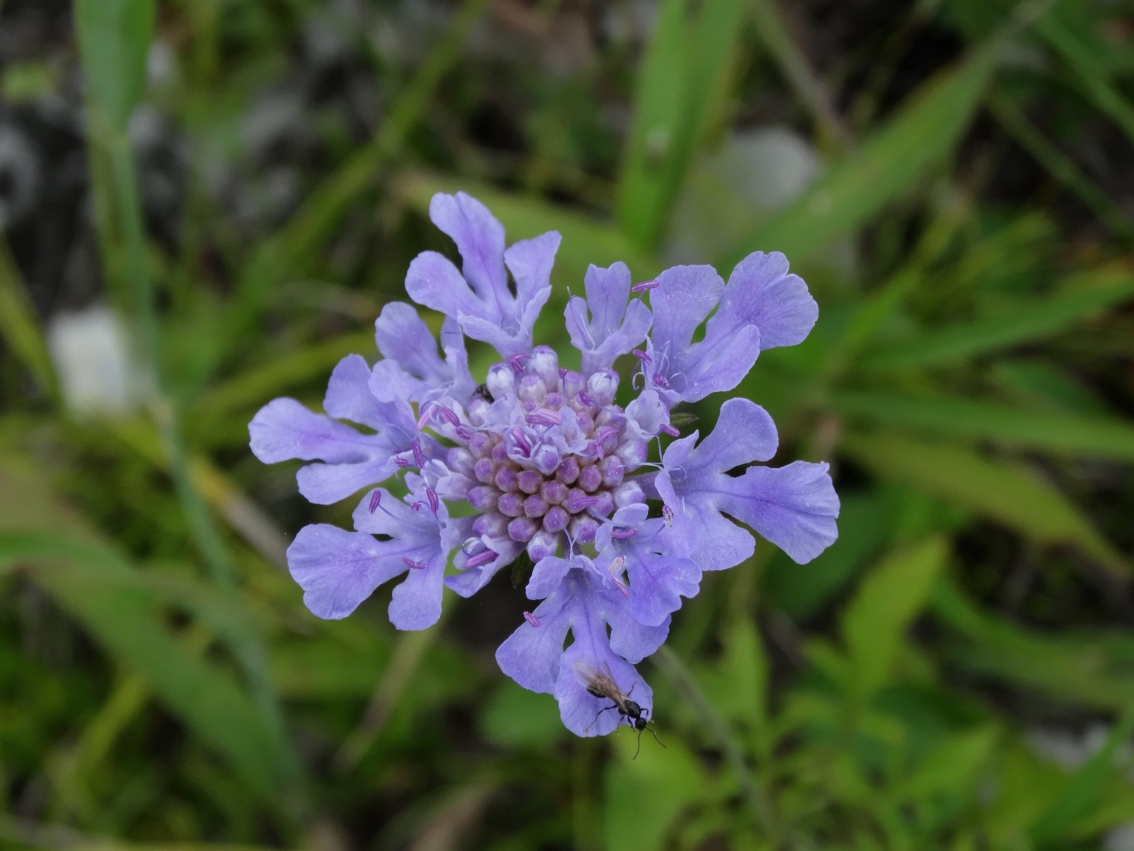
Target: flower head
547 461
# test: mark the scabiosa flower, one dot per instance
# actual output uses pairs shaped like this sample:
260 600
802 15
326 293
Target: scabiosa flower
546 461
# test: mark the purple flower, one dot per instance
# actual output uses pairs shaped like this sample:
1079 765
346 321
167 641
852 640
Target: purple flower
761 307
284 429
615 326
478 297
582 600
794 507
337 570
543 459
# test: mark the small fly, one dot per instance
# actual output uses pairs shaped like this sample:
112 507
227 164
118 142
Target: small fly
602 685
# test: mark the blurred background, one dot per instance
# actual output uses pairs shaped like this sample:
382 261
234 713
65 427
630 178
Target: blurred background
205 204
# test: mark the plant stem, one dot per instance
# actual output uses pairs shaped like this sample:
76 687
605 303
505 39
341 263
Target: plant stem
682 679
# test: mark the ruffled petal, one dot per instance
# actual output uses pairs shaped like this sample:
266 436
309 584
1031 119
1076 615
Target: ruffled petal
326 484
615 326
284 429
337 569
403 337
469 581
530 655
434 282
480 239
763 293
794 507
530 262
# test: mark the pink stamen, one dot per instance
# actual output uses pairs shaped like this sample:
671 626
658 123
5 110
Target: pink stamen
447 415
586 400
416 565
642 356
667 515
521 440
463 432
401 462
426 415
666 428
479 559
434 502
622 534
516 362
562 372
616 566
375 501
642 287
660 381
418 453
532 619
544 416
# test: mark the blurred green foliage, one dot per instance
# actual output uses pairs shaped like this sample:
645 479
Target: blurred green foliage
932 681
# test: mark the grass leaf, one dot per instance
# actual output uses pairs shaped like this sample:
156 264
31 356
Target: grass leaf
889 163
1000 490
889 598
1090 294
1074 434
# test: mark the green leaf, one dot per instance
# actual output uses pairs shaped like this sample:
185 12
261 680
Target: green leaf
919 137
644 797
19 324
114 37
951 417
1082 56
680 87
1084 787
122 617
1080 669
891 595
1004 491
1088 295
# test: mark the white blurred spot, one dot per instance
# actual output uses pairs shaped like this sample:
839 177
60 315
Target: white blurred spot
92 357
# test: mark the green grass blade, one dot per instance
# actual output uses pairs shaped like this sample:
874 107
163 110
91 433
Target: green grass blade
20 326
306 230
114 36
1094 78
889 163
1072 434
876 619
122 617
1086 297
1059 165
680 87
1084 787
1071 670
1006 492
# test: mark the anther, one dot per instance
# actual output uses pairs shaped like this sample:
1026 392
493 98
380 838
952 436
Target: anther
375 501
416 565
667 515
642 287
666 428
517 363
463 432
622 534
479 559
544 417
531 619
434 502
585 399
426 414
642 356
660 381
418 453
